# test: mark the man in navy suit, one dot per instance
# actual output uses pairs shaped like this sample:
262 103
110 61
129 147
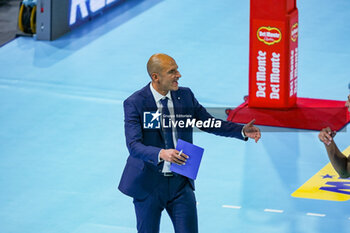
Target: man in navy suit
147 177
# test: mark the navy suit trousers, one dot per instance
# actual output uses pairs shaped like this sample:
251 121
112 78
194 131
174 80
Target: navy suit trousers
175 195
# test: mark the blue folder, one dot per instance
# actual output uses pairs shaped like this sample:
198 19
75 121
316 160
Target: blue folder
195 153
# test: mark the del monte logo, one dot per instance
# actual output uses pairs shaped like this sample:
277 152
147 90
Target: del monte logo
294 32
269 35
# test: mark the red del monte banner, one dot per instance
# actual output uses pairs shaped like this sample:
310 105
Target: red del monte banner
273 55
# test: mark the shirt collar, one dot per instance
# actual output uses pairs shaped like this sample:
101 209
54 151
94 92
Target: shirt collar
157 96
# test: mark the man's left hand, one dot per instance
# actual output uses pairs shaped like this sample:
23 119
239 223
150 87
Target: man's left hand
252 131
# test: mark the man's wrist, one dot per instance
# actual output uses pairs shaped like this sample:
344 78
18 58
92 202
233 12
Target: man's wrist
243 134
159 158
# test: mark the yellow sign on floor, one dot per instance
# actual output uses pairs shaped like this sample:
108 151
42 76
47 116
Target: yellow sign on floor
326 185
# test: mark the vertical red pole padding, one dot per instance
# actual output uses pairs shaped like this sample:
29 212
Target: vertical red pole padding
273 53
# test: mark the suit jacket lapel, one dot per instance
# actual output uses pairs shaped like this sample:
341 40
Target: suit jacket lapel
149 104
177 109
148 101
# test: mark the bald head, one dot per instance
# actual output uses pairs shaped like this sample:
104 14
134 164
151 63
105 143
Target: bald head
164 74
157 62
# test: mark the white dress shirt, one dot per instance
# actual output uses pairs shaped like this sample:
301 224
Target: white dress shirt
157 97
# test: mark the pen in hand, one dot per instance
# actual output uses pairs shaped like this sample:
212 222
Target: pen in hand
182 156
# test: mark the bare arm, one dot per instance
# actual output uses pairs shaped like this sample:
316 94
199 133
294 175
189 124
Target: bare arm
339 161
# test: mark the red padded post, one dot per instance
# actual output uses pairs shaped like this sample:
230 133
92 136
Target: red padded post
273 54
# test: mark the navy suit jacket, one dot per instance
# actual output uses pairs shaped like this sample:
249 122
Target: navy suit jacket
142 171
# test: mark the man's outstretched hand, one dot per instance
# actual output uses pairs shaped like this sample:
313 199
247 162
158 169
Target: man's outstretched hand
252 131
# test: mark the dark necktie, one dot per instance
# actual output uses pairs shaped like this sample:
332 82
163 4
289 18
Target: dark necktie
167 132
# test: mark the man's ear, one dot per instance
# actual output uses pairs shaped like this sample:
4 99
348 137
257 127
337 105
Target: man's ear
154 77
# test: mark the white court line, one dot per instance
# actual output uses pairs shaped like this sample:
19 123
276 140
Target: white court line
231 206
274 211
316 214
